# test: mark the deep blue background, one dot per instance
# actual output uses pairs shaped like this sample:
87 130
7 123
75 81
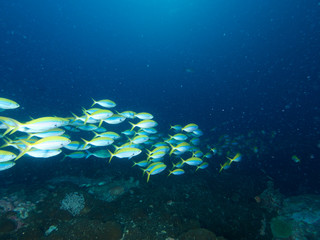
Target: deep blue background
252 64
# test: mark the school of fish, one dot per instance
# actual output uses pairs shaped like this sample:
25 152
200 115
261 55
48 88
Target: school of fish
50 136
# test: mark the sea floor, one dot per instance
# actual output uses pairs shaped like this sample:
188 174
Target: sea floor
175 207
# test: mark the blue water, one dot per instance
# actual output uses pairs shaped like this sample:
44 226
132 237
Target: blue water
237 66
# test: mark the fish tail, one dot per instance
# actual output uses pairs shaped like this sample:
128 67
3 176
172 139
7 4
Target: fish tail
65 155
100 123
88 154
23 152
172 150
148 176
85 143
143 171
87 117
7 142
133 126
95 134
129 140
30 135
15 128
221 168
9 128
111 155
183 161
75 116
94 102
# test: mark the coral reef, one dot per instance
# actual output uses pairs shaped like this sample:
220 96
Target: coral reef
73 203
270 199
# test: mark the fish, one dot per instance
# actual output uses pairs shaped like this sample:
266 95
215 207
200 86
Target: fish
99 154
150 130
202 166
139 139
161 148
128 132
208 155
182 147
98 141
47 143
226 165
88 127
75 155
128 152
177 128
195 141
6 165
48 133
128 114
8 104
99 115
177 171
76 145
193 161
112 135
144 124
177 165
198 154
104 103
39 153
144 116
158 168
178 137
213 150
41 124
295 159
190 127
6 156
156 155
236 158
115 119
197 133
9 124
143 163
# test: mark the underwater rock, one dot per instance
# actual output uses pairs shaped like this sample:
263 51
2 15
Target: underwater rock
116 191
199 234
112 191
280 228
84 228
271 199
303 213
113 230
138 214
7 225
